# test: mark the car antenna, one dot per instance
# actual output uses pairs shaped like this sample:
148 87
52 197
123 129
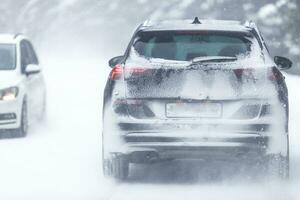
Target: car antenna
196 21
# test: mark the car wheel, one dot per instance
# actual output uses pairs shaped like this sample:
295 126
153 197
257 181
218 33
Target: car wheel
116 167
107 168
42 116
23 129
278 167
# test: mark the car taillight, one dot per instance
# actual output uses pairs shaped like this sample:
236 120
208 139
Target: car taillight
118 70
135 70
246 72
238 73
274 74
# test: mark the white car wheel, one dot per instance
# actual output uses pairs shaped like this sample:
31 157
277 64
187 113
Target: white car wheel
23 129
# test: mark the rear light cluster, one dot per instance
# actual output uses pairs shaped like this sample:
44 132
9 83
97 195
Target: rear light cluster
273 73
116 72
119 70
247 72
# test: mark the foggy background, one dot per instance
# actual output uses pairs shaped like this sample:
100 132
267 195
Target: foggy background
61 159
105 26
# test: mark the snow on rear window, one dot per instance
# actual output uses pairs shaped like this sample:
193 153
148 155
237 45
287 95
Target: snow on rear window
185 46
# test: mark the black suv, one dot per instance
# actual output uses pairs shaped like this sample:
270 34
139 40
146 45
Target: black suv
196 89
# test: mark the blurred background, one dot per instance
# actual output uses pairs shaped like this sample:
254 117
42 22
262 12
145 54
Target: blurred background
74 27
74 39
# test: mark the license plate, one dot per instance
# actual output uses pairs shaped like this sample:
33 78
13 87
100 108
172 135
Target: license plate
203 109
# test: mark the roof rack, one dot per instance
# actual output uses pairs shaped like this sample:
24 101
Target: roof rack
147 23
17 35
250 24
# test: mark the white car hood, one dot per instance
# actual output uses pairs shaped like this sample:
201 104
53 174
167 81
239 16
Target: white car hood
9 79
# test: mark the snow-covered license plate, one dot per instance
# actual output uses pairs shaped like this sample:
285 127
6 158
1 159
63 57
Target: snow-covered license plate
203 109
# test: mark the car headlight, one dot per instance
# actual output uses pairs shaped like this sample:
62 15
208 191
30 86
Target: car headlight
9 94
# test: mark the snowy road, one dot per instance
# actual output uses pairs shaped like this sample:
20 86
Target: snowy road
61 158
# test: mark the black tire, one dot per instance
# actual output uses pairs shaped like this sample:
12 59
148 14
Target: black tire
23 129
42 117
106 164
107 168
116 167
120 167
278 167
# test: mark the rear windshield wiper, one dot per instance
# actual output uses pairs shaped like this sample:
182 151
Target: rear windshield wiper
213 59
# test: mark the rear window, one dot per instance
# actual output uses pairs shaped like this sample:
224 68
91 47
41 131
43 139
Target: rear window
185 46
7 57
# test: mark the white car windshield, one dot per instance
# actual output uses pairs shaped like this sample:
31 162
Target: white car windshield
7 57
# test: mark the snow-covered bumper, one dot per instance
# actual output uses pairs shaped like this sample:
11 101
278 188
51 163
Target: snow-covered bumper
10 114
207 140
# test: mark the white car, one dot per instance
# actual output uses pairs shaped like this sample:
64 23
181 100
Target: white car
22 86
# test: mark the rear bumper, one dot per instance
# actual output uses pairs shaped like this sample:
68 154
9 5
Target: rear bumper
147 141
208 150
144 147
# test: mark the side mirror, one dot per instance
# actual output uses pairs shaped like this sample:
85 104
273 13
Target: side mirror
115 60
282 62
32 69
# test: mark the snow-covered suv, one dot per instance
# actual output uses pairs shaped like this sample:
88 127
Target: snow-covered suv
22 86
196 89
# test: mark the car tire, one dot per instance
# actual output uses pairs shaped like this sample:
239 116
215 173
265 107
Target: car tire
278 167
107 168
116 167
23 129
120 167
42 116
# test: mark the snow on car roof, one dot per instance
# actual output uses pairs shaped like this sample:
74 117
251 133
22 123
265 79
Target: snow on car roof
7 38
209 25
